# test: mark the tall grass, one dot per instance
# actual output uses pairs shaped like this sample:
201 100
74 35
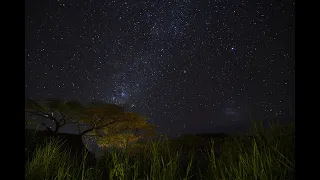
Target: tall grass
52 162
266 155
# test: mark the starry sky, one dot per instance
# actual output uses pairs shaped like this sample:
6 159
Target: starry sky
189 66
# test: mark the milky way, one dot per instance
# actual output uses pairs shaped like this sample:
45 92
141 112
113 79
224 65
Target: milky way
184 64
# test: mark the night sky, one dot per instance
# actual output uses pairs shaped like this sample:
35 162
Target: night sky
188 65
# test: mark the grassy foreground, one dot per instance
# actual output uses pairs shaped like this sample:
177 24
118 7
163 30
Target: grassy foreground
266 155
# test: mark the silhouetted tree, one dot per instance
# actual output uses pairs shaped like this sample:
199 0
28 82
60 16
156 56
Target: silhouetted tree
59 112
108 123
